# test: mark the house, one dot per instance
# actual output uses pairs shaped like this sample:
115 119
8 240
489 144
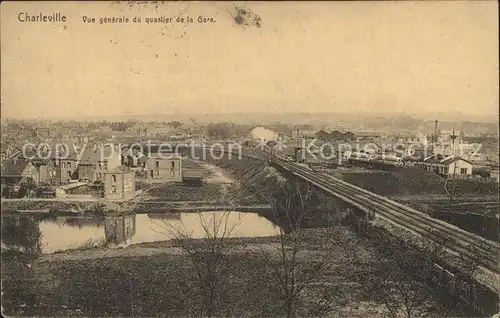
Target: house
62 167
336 135
86 171
349 136
164 166
322 135
413 138
419 152
66 170
46 167
96 160
15 171
119 183
446 166
46 170
131 157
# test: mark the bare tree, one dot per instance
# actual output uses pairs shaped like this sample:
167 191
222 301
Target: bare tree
450 187
209 254
400 279
294 266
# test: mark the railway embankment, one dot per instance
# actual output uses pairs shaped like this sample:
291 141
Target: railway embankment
407 182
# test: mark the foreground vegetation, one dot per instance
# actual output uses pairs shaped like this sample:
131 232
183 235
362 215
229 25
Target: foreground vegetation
166 284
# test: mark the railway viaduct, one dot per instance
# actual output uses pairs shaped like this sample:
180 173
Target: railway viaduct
369 206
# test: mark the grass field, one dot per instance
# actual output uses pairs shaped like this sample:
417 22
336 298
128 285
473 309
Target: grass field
131 283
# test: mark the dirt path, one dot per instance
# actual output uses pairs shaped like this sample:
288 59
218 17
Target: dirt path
217 175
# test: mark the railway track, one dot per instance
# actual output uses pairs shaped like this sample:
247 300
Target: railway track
454 239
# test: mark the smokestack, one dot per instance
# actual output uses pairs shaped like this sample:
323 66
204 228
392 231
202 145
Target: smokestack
434 139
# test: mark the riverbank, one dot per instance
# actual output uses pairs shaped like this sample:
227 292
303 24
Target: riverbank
152 279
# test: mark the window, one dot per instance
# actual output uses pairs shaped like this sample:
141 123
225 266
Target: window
69 165
157 164
63 164
113 177
113 189
172 164
105 165
100 166
463 171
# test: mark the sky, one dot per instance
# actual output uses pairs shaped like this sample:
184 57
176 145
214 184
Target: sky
406 56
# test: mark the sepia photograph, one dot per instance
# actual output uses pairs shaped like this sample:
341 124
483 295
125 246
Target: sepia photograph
250 159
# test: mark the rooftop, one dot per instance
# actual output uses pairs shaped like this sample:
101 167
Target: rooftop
13 167
367 133
444 160
120 170
72 185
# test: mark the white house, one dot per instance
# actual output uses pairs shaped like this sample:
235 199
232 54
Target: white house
412 138
446 166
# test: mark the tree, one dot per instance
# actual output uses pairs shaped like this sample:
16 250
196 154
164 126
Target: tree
293 266
6 192
450 187
208 255
27 185
22 234
400 279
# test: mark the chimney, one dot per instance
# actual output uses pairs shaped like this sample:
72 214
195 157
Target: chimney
434 139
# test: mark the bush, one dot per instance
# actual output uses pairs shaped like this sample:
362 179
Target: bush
6 192
22 192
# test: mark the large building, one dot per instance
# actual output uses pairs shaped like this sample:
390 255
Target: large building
119 183
164 167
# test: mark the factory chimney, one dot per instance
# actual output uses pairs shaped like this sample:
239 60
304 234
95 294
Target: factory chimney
434 138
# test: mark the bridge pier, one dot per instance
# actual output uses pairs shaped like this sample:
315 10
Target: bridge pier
341 212
119 230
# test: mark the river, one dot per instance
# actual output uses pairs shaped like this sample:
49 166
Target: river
41 234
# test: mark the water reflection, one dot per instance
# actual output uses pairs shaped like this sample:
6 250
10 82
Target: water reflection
22 234
38 234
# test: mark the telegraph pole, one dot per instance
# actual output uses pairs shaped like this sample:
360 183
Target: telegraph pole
453 137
